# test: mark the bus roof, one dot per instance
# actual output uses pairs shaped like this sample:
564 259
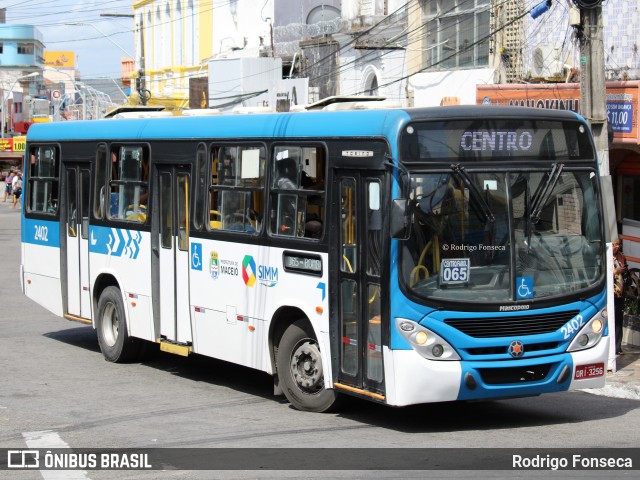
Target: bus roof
357 123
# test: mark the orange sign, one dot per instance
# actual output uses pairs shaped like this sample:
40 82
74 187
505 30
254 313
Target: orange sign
59 59
621 97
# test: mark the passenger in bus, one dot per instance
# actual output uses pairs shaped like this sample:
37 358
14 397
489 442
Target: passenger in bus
287 179
308 183
313 228
137 186
315 203
287 174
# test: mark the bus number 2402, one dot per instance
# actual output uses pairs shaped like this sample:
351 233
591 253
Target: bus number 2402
42 233
573 326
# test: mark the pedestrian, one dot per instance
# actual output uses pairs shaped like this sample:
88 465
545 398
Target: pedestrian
17 189
620 273
8 186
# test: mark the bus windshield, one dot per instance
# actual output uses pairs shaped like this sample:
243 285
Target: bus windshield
501 236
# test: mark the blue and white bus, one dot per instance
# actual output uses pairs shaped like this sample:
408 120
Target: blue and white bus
404 256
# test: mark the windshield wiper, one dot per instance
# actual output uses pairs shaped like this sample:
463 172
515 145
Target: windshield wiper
475 193
542 194
540 197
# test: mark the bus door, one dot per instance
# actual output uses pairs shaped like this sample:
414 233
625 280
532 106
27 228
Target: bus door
174 257
77 181
359 203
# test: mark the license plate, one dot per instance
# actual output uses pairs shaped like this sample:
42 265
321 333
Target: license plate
589 371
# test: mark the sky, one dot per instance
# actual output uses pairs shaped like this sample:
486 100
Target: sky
98 44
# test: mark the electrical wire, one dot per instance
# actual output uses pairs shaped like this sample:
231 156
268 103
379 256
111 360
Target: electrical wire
379 28
466 48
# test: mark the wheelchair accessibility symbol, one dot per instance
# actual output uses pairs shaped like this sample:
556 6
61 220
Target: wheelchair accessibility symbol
196 256
525 287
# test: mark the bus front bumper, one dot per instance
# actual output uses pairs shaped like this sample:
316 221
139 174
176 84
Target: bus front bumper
412 379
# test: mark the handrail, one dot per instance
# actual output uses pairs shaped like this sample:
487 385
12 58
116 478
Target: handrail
631 238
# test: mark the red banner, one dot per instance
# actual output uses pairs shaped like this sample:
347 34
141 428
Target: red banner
6 144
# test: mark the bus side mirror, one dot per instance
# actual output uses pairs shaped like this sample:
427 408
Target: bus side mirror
400 224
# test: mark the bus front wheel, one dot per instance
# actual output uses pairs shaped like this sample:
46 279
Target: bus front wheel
114 341
301 372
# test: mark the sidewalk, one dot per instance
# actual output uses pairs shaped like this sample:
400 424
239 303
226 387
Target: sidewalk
5 208
9 203
625 382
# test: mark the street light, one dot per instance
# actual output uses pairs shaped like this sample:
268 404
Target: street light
4 100
143 100
75 90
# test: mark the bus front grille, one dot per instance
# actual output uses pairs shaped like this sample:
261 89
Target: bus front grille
511 326
501 376
504 349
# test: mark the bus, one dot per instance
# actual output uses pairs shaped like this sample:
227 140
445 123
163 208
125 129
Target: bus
404 256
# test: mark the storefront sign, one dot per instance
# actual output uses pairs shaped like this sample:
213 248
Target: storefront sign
19 143
6 144
620 112
59 59
622 102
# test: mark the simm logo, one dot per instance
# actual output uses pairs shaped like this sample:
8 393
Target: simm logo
266 275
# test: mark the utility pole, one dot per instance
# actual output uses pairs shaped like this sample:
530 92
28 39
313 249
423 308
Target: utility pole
593 104
143 93
141 88
593 107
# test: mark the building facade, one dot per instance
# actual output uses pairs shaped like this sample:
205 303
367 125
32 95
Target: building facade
21 61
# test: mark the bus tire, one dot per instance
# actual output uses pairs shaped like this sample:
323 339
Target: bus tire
301 372
113 338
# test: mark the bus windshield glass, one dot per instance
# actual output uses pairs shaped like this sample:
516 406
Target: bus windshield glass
510 233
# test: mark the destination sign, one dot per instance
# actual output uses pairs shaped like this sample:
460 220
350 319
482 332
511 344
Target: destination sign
455 271
496 141
514 138
303 263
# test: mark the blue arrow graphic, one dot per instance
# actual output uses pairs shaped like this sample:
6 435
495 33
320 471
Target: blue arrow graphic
322 287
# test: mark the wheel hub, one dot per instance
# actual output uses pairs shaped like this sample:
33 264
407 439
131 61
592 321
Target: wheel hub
306 366
110 325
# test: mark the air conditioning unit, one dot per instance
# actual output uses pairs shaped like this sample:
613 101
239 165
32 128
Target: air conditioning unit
547 61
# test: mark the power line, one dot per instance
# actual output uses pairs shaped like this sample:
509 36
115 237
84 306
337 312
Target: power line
411 40
466 48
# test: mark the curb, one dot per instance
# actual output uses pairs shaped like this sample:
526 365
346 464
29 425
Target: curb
616 390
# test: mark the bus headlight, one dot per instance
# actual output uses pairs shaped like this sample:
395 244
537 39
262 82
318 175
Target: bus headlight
590 334
427 343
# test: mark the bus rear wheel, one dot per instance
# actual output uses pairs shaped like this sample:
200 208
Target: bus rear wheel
301 372
114 341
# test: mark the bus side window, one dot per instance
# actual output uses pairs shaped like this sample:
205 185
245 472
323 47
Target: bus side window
312 179
237 188
200 186
297 199
129 183
44 174
348 229
100 183
214 212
